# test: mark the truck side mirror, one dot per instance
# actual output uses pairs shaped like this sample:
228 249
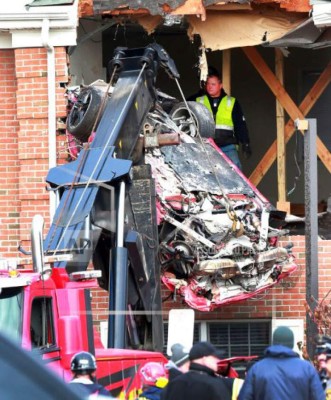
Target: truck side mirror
70 338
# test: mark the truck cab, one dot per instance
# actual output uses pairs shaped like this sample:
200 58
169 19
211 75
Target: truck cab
50 314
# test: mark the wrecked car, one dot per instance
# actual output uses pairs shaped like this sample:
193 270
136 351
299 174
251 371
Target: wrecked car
218 236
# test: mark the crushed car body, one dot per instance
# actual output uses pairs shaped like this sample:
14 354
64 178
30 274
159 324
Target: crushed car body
216 243
218 236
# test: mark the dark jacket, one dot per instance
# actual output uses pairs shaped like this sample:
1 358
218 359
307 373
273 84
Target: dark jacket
93 388
200 383
239 125
173 373
282 375
151 393
173 370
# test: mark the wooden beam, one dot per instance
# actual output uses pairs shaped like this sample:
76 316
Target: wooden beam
306 105
280 123
229 7
190 7
226 70
286 101
281 147
290 5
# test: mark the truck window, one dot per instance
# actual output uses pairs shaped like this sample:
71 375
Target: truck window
42 326
11 300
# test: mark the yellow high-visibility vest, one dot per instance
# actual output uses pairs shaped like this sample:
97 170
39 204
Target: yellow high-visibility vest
224 111
237 384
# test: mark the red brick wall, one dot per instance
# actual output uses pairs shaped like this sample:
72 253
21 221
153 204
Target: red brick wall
9 166
285 300
24 144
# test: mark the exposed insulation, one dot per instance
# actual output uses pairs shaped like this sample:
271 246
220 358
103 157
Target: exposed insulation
251 29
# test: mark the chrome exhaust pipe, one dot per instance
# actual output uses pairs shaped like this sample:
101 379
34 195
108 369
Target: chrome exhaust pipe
37 246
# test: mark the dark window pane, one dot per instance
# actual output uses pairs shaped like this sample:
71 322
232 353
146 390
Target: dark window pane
240 338
196 333
239 333
257 350
218 334
41 323
165 335
260 332
239 351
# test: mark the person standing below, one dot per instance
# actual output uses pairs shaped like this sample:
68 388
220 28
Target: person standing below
328 376
154 378
231 128
323 347
322 370
282 374
83 366
324 365
179 362
201 381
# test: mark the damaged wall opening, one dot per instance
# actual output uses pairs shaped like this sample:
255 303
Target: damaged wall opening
256 99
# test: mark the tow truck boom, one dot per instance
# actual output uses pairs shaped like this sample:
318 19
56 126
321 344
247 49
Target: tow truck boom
90 220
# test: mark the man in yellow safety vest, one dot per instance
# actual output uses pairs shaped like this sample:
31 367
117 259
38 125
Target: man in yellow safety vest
231 128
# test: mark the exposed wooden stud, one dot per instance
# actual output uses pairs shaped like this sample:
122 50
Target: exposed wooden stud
306 105
286 101
284 206
281 149
226 70
221 6
190 7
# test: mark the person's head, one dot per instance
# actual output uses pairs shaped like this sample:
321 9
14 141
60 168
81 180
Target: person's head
83 363
180 357
214 85
327 364
153 374
211 71
322 350
204 353
283 335
321 361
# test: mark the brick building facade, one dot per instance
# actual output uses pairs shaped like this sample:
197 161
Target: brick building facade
25 163
24 166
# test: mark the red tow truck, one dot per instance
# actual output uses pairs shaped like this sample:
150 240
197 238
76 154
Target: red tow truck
49 312
130 214
46 305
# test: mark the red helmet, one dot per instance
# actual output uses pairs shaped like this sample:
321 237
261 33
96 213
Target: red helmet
151 372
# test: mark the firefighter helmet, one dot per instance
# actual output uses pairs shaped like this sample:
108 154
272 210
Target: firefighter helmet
83 363
151 372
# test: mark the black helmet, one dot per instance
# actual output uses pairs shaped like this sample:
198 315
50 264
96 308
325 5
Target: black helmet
83 363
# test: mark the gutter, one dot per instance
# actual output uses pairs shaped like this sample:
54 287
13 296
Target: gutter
51 75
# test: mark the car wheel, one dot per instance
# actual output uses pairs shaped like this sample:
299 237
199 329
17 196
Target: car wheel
199 120
83 114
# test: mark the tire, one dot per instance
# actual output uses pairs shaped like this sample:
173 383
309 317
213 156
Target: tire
167 102
83 114
202 123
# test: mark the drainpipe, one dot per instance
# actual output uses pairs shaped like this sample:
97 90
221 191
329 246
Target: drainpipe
51 107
